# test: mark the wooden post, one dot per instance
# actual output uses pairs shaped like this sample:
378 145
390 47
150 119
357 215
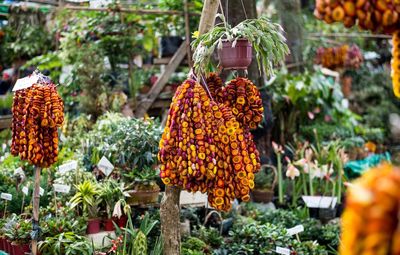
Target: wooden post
187 33
169 210
36 200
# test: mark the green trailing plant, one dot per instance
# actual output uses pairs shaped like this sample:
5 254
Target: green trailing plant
266 37
66 243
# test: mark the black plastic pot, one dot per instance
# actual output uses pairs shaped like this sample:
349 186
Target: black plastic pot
169 45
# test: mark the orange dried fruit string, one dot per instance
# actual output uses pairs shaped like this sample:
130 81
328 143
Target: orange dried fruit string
396 63
37 113
370 221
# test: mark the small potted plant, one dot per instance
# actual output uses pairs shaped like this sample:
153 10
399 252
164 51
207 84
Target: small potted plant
19 234
264 184
86 197
144 189
113 194
236 44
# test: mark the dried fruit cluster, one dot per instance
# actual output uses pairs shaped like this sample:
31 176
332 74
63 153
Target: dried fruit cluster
204 148
373 15
37 113
396 63
371 220
339 57
240 95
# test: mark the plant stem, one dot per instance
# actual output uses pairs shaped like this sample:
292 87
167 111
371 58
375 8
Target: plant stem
280 178
340 181
311 185
304 184
5 210
294 196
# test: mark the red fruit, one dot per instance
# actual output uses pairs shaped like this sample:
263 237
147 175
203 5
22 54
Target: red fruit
349 22
389 18
381 5
361 15
377 16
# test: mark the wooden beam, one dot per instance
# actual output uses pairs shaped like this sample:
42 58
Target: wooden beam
207 20
128 10
146 103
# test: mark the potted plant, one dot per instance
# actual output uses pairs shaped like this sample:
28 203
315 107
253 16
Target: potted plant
2 235
86 196
144 189
264 184
113 194
66 243
19 235
235 45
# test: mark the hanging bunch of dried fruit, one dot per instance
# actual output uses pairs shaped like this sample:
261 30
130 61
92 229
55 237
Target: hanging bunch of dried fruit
396 63
37 113
243 97
204 148
344 56
370 222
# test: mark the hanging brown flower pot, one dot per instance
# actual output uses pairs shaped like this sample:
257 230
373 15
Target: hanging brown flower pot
237 57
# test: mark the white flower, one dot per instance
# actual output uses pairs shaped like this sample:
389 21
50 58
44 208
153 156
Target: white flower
292 172
117 212
277 148
301 162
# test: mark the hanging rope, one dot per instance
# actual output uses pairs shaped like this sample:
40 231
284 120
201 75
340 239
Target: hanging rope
244 9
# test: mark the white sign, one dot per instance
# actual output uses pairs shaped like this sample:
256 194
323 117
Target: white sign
194 199
61 188
105 166
19 171
281 250
99 3
6 196
295 230
25 190
68 167
41 191
25 82
319 201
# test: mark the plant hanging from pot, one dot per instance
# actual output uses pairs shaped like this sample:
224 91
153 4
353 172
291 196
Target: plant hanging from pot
236 44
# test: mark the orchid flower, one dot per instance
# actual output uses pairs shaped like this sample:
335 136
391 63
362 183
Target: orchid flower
292 172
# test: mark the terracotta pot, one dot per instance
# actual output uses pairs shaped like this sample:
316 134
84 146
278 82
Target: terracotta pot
2 240
9 247
108 224
238 57
93 226
143 197
20 249
262 196
122 221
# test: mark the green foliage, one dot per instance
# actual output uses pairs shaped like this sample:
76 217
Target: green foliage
112 192
86 196
211 236
6 103
66 243
49 61
140 244
264 179
19 231
308 99
266 37
193 246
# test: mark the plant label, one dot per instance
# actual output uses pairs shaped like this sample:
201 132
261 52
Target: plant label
311 201
25 82
6 196
25 190
193 199
41 191
284 251
105 166
328 202
72 165
61 188
19 171
295 230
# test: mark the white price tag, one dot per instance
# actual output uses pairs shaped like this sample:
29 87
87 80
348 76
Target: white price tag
19 171
193 199
41 191
6 196
25 190
281 250
295 230
105 166
25 82
61 188
320 201
68 167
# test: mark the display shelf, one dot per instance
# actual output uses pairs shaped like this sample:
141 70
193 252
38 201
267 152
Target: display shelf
5 121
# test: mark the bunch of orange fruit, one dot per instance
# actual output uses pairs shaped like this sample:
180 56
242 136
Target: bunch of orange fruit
38 111
204 146
344 56
370 222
